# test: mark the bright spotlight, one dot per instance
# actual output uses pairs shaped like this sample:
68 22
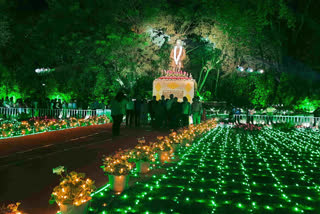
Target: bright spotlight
239 68
249 70
43 70
261 71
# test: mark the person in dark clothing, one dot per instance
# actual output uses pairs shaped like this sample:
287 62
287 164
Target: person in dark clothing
137 111
169 103
58 107
54 101
129 112
196 109
6 103
186 112
1 102
152 107
158 114
179 115
144 112
231 113
163 112
175 114
238 113
118 108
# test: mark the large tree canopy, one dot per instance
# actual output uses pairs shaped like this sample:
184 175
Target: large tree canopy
97 47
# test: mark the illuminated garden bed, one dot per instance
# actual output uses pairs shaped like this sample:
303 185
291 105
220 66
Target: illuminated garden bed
225 172
38 125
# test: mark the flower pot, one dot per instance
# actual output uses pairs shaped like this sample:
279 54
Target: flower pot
142 166
72 209
118 183
164 156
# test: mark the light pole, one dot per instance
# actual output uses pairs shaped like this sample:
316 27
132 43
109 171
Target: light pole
41 72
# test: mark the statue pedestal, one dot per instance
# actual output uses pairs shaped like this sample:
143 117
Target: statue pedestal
178 86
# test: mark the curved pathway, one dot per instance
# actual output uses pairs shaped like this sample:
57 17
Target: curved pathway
26 162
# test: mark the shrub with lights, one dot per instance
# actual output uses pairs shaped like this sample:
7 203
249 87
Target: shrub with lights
7 130
117 164
73 122
24 128
92 121
247 128
10 209
283 126
117 167
38 125
187 136
142 155
73 191
83 122
62 124
142 152
163 148
162 145
102 119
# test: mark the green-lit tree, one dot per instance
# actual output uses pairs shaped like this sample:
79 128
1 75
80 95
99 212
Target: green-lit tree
98 47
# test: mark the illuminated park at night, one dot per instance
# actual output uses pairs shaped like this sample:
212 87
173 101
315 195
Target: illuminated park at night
163 106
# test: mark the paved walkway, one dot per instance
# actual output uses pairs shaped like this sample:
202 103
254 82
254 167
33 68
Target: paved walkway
26 162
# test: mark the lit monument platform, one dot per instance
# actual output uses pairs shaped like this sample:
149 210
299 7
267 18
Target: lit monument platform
179 84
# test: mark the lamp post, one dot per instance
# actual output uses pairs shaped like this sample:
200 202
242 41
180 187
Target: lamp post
249 71
41 72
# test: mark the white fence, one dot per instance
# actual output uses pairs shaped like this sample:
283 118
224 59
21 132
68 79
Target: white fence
265 119
52 113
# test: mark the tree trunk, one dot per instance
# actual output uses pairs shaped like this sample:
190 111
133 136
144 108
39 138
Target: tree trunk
217 80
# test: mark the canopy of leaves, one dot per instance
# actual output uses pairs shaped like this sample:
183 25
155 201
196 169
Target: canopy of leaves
98 47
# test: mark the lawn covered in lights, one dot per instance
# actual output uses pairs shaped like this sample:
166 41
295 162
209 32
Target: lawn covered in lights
225 172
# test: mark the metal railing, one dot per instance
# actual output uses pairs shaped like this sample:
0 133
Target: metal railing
266 119
51 113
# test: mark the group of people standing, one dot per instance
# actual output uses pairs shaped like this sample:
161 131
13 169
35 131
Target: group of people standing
38 103
46 103
9 102
163 113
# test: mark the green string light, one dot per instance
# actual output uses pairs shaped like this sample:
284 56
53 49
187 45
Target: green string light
270 171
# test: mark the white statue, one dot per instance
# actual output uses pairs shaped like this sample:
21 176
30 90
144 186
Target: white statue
177 55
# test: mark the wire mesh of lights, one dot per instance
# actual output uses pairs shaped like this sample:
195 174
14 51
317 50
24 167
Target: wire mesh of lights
225 172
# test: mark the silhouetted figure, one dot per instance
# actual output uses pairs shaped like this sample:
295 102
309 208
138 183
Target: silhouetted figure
6 103
152 107
137 112
175 114
162 112
129 112
169 104
186 111
196 109
118 106
144 112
